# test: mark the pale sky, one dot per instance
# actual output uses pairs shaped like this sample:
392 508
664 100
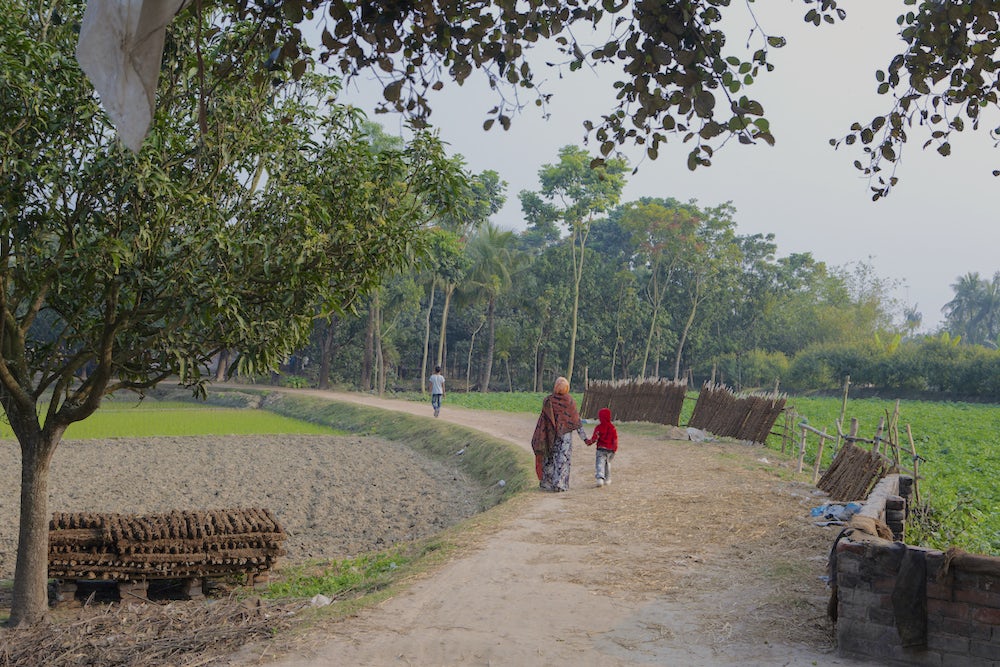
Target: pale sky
935 226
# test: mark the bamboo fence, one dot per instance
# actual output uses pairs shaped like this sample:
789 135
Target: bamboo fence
656 401
721 412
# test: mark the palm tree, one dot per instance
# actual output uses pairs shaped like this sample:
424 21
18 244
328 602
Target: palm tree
974 312
493 260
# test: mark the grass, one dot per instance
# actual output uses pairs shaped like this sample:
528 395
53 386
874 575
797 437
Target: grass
494 401
150 418
337 579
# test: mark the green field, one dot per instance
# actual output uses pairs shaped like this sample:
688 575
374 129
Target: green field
149 418
958 443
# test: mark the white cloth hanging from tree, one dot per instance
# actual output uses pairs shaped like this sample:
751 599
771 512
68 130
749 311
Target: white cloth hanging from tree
120 50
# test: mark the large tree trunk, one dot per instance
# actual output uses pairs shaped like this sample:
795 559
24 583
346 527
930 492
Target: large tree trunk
30 596
485 376
326 352
222 366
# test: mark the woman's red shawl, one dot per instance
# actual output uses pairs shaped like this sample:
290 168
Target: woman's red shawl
559 417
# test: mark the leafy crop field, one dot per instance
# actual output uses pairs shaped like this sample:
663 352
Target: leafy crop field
959 444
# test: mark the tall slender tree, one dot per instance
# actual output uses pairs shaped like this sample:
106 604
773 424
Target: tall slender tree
493 261
574 191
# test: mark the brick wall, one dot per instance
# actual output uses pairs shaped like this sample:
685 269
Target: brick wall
901 604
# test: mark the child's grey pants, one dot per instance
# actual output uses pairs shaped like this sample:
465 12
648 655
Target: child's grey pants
603 467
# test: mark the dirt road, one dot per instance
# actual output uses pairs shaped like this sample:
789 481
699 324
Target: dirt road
698 554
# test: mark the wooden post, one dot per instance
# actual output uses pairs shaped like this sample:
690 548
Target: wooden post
916 466
819 459
789 420
843 404
877 444
802 448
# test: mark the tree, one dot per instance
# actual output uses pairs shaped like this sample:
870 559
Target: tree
713 249
974 312
663 232
574 191
121 270
945 80
681 76
492 263
482 197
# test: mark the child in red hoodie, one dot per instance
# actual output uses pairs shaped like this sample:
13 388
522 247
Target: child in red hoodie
606 438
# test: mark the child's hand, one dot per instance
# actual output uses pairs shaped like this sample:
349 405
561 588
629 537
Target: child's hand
589 442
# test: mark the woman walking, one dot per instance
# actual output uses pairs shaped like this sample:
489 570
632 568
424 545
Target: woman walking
552 441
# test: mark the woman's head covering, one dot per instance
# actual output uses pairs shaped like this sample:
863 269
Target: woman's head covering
562 386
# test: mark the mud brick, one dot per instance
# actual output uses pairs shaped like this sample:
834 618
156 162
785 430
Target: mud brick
923 657
949 644
884 585
887 561
867 631
192 588
967 580
133 591
948 609
987 650
852 580
865 598
848 562
978 597
986 615
854 612
937 591
850 547
895 503
882 616
962 628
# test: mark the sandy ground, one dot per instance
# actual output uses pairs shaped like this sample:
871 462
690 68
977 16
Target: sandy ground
699 554
325 491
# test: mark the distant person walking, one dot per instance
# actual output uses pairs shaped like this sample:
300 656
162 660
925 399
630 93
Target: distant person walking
552 440
436 382
606 438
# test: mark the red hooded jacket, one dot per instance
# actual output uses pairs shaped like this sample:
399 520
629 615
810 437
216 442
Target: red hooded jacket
605 434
